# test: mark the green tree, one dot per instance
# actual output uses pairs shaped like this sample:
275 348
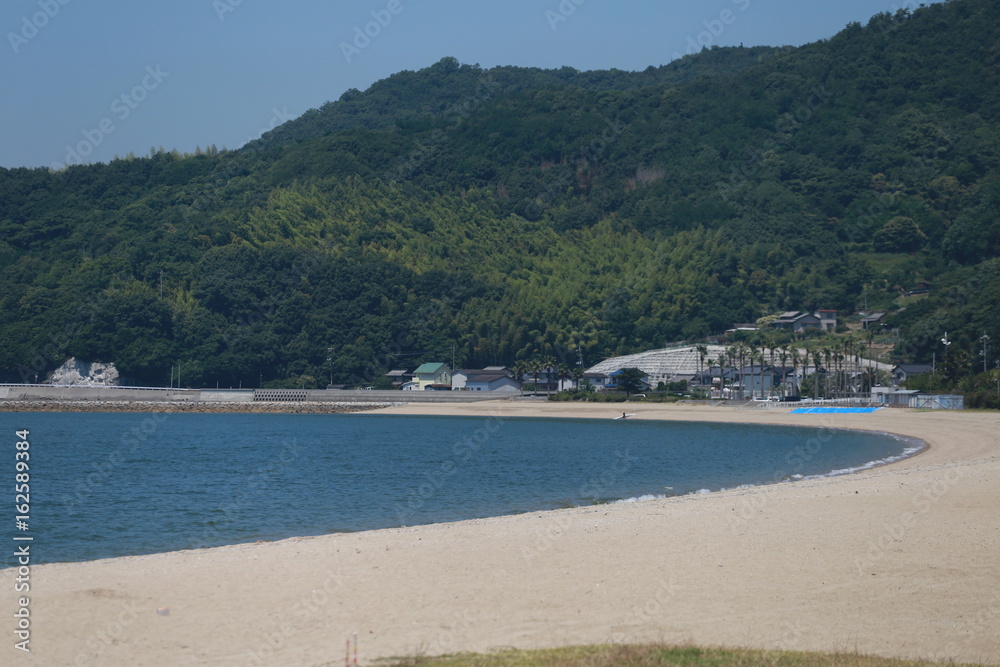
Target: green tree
630 380
900 234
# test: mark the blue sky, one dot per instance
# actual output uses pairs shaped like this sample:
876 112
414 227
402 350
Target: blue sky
109 77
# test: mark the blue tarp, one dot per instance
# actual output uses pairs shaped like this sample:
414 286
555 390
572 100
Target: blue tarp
824 411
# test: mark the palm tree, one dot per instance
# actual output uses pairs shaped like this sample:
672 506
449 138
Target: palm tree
817 360
532 368
549 365
783 357
851 364
564 372
839 378
870 335
722 372
734 358
520 370
702 354
741 351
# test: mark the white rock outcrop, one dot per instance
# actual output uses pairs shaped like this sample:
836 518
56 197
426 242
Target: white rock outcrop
85 374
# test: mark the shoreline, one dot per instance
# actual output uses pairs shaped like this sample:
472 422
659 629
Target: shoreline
897 560
906 441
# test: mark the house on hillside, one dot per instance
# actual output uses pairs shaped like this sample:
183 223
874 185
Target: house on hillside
432 376
872 320
400 376
902 372
798 321
742 326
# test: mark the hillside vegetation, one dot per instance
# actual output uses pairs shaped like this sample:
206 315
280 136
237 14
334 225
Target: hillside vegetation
492 215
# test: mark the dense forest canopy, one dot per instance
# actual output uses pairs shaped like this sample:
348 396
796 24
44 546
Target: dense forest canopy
491 215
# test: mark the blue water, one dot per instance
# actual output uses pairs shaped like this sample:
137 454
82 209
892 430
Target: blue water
105 485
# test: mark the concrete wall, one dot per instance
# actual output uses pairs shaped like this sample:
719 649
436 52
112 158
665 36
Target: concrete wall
404 396
51 393
226 395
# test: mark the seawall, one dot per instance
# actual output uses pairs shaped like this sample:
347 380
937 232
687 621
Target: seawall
14 397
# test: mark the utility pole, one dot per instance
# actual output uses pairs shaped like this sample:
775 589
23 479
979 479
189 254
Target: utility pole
986 342
946 343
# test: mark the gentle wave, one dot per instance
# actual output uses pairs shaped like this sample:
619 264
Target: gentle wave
905 454
912 450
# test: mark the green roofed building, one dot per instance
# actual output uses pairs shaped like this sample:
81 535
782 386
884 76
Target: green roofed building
432 376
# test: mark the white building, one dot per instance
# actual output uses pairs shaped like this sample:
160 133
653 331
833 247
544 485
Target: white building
491 378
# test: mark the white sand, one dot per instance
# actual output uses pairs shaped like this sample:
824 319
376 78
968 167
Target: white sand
902 561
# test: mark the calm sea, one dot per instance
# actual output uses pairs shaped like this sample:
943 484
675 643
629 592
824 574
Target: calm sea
105 485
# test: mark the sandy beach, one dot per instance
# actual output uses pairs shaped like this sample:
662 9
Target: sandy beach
900 561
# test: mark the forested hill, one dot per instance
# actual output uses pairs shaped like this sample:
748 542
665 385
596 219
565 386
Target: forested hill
497 214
